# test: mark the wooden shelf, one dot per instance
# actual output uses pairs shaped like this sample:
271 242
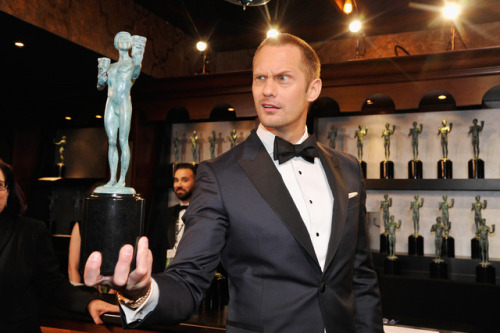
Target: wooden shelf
433 184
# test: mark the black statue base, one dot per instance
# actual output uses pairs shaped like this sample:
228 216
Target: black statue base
475 248
438 270
476 168
110 221
448 247
387 170
392 266
384 243
485 273
363 167
415 168
60 170
415 245
445 169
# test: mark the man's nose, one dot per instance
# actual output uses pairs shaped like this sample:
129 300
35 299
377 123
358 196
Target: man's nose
269 88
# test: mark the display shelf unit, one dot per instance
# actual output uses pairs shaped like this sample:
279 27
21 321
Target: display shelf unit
433 184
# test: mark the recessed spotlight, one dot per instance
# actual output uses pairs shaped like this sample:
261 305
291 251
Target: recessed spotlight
442 97
230 109
67 118
369 102
451 10
355 26
19 44
201 46
98 116
347 7
273 32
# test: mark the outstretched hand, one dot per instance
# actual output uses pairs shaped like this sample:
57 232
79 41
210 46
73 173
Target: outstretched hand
130 284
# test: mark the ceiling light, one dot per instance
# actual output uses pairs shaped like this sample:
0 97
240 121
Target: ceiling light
347 7
230 109
98 116
201 46
355 26
272 32
451 10
19 44
442 97
246 3
67 118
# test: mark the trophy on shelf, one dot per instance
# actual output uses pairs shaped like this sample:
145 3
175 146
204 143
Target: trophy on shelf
332 136
176 140
387 166
194 145
476 165
477 207
415 166
233 137
448 248
212 139
360 134
485 272
114 213
445 165
415 240
438 267
391 263
384 239
61 168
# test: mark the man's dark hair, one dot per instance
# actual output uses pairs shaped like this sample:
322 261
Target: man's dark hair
191 166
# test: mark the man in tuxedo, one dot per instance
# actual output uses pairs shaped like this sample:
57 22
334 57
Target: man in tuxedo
285 215
166 227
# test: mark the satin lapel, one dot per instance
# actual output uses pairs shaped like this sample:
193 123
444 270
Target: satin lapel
260 169
333 171
6 231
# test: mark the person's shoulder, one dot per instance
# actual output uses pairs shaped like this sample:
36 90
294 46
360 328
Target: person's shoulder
31 223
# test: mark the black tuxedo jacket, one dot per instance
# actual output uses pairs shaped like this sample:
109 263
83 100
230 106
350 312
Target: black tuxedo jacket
161 235
29 270
242 213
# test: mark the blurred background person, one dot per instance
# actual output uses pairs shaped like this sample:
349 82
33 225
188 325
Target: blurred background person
29 268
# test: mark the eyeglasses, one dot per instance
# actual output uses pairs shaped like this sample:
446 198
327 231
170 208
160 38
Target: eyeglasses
3 186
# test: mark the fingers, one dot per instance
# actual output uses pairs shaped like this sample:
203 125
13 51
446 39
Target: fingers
144 262
98 307
92 271
122 268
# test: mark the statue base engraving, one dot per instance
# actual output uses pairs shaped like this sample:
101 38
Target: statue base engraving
363 168
110 221
392 266
445 169
415 168
476 168
448 247
387 170
485 273
438 269
475 248
415 245
384 243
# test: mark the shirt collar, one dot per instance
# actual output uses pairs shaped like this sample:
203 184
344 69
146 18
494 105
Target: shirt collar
267 138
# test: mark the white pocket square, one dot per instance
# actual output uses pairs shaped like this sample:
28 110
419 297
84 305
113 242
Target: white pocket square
352 194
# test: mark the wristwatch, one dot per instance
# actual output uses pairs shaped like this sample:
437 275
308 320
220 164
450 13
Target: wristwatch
131 303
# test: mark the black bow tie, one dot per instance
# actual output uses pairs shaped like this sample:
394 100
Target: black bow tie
181 207
284 150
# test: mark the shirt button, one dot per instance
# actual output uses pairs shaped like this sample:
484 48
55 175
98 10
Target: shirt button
300 172
310 201
322 288
317 234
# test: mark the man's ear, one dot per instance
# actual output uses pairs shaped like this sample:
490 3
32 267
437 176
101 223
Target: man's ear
314 90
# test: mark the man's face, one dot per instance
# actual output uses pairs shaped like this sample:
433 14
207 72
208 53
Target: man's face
280 91
183 184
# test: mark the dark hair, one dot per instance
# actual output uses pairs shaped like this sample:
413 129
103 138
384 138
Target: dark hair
309 56
15 199
191 166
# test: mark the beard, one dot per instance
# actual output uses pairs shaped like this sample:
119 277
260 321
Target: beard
183 195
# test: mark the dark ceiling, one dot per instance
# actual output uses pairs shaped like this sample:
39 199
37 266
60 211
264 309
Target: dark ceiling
39 79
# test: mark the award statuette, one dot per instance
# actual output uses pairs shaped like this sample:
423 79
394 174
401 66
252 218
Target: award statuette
391 263
387 166
384 239
448 248
438 268
415 166
445 166
485 272
212 139
194 145
360 135
61 168
332 135
415 240
476 165
114 213
477 207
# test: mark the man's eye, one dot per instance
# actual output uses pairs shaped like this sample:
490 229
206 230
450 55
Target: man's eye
283 77
259 78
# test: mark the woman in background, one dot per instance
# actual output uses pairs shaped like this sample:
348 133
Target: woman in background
29 267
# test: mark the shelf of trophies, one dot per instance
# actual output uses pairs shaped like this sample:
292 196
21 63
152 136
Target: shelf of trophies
433 184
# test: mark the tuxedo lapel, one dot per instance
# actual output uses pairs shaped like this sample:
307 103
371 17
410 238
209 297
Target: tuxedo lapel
260 169
333 171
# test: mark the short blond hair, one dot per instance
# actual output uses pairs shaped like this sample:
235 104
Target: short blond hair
309 56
